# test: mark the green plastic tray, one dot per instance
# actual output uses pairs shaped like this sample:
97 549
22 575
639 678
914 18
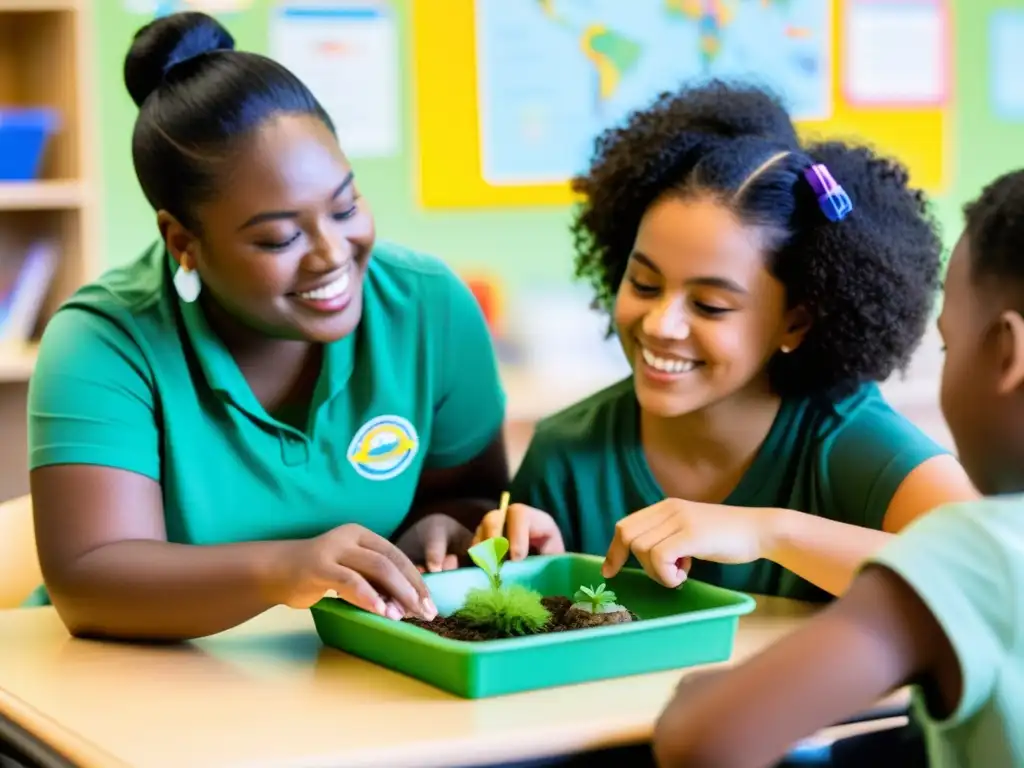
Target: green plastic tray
694 624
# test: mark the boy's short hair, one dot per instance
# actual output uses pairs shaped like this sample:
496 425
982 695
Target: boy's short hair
995 230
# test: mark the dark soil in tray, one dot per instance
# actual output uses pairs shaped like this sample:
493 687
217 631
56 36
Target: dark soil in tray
562 620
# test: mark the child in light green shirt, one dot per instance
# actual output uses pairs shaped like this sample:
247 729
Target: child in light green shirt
941 607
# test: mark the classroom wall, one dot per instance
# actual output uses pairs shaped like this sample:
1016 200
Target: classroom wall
524 247
518 244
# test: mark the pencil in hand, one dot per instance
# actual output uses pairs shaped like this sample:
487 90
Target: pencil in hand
499 524
493 523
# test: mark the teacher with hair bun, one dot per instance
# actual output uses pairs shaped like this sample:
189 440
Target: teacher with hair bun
268 404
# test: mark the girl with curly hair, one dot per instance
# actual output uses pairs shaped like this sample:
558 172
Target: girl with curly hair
760 287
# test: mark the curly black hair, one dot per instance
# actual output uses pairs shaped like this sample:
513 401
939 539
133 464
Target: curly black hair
868 282
995 229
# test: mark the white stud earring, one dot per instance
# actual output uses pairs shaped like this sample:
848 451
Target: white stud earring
786 349
187 284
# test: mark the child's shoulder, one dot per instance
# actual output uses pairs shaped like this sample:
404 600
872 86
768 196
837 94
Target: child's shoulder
865 423
997 519
580 441
964 556
591 421
865 405
859 449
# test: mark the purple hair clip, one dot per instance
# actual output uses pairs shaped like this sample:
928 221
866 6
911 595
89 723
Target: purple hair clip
832 198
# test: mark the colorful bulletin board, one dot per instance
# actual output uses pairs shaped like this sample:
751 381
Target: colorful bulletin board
509 94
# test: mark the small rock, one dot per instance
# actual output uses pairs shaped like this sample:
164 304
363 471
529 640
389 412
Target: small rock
581 617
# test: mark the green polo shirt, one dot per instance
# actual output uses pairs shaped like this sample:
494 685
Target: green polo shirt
966 563
130 377
844 461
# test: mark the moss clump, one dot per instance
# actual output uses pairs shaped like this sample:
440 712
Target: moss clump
512 609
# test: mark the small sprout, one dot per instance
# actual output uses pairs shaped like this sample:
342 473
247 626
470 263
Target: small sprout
488 555
599 600
512 610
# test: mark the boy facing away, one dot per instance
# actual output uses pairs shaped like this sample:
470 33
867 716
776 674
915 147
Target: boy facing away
942 606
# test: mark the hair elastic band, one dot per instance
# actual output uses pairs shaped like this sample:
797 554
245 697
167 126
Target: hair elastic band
832 198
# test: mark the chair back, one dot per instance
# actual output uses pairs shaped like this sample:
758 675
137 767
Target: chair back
19 564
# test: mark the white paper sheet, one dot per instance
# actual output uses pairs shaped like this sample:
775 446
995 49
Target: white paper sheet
347 55
896 52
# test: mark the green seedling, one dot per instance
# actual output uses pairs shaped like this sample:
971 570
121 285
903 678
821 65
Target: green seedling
511 609
488 555
599 600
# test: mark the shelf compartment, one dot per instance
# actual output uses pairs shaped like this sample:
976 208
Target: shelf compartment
38 53
40 195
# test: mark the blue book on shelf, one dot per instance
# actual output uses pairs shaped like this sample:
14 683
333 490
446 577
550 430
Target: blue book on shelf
22 302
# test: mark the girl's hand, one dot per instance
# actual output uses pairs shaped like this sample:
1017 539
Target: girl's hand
665 536
525 528
436 543
363 568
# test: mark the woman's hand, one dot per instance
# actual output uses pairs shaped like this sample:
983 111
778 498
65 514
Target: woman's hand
361 567
665 536
525 528
436 543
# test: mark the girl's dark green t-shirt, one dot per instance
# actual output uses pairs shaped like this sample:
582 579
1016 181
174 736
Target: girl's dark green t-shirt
844 461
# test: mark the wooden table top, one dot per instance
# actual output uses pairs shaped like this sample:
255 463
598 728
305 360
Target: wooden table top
269 694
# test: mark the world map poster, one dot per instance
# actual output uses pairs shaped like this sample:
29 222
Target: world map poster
552 74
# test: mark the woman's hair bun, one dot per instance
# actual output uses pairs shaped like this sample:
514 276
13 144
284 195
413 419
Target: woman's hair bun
166 42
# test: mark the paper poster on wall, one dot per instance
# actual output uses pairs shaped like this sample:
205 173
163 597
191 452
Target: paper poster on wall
1006 75
347 54
167 7
896 53
552 75
490 135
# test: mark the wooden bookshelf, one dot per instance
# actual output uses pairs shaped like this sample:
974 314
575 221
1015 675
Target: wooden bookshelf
47 59
41 195
26 6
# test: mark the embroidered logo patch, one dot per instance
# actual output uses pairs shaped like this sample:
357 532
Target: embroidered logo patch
383 447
